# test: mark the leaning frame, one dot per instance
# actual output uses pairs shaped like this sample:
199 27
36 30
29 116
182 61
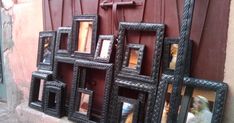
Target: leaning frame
76 83
159 29
219 87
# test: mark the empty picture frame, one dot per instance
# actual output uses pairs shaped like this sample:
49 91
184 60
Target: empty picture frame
78 77
133 58
128 110
145 27
219 88
170 51
36 95
63 41
45 55
104 48
54 102
84 31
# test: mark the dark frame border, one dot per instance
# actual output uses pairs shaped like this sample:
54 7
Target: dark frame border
219 87
99 47
77 82
67 51
159 29
75 32
43 35
140 49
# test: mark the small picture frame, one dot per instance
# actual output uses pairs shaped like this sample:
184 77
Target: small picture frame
128 110
84 33
63 41
46 44
133 58
170 51
104 48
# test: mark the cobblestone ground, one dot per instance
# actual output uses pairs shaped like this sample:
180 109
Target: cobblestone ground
6 116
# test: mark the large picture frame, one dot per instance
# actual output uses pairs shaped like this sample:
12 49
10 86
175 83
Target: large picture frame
104 48
46 46
63 41
159 30
84 36
219 87
77 81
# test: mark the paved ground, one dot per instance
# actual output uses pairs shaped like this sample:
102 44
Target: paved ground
6 116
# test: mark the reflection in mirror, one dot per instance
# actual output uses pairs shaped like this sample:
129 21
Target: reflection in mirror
133 57
47 49
85 37
104 48
127 113
173 56
84 103
52 100
41 87
201 107
63 41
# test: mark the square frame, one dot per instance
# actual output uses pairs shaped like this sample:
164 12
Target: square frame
58 88
60 31
75 35
159 29
99 47
42 35
219 87
140 49
77 82
34 90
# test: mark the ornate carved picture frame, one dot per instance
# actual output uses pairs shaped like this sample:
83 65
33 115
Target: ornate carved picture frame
46 44
63 41
159 30
104 48
84 33
78 81
219 87
133 58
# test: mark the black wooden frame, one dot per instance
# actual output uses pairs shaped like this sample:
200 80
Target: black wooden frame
35 88
75 34
219 87
140 49
58 88
60 32
42 35
159 29
99 47
77 81
166 56
136 104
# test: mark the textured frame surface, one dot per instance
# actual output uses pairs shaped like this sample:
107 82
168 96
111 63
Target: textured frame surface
33 95
75 34
140 48
166 56
60 32
159 29
42 35
58 88
99 47
76 83
219 87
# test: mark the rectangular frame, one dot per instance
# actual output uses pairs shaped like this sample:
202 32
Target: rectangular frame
159 29
166 56
60 31
42 35
219 87
77 81
140 49
75 34
99 47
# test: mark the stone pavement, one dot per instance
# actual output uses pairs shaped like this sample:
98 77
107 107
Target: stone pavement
7 116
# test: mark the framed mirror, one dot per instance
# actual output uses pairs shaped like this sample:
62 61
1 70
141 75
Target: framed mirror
63 41
104 48
46 50
84 31
133 58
